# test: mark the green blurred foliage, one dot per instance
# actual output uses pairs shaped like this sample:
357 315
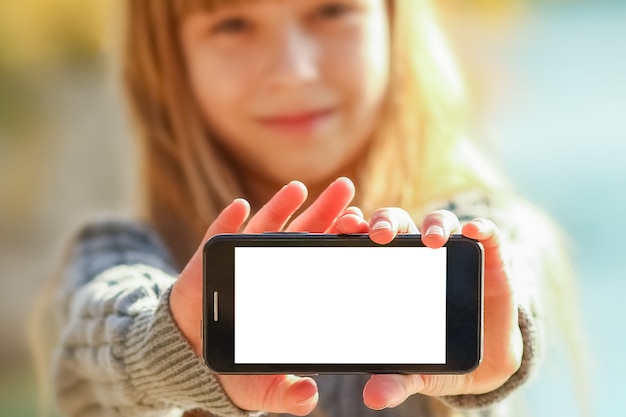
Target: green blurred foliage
37 37
37 32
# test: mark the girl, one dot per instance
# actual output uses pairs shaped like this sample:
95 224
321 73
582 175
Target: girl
237 98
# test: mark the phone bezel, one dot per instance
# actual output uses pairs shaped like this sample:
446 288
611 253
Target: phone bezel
464 304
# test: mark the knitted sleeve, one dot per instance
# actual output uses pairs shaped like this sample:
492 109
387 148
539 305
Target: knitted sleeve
120 352
527 269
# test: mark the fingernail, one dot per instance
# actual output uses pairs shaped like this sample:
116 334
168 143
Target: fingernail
307 401
434 230
379 408
480 227
382 225
306 389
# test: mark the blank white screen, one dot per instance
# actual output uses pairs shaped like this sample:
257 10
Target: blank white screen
381 305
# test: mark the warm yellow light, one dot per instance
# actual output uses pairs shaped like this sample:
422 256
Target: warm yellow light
34 32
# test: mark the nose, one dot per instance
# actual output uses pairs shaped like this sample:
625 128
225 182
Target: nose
294 60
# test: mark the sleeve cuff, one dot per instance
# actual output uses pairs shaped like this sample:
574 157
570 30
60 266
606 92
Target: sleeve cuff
162 364
529 361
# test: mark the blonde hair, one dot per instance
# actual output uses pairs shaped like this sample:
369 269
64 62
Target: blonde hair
419 151
188 178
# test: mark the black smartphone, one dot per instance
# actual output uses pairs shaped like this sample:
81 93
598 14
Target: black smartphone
318 303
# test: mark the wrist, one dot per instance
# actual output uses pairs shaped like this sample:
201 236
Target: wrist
186 316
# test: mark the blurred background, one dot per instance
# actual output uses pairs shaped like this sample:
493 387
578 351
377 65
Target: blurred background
551 76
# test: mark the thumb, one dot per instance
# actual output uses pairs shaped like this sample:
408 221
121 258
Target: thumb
186 295
385 391
272 393
229 220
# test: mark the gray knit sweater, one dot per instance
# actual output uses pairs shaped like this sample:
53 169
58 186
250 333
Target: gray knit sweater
121 354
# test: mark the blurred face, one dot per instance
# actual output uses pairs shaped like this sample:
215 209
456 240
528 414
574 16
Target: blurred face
291 88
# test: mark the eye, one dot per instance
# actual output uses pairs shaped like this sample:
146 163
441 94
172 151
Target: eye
232 25
333 10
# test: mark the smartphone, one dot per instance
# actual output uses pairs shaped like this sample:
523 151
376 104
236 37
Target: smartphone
319 303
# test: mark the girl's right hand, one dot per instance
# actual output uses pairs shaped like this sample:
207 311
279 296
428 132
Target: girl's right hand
271 393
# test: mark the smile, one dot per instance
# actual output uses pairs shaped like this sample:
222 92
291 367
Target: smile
297 123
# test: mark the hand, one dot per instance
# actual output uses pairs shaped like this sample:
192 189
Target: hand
272 393
502 337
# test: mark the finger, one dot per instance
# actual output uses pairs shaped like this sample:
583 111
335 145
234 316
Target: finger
276 213
229 220
351 221
386 223
390 390
487 233
321 214
501 318
497 284
272 393
438 226
185 298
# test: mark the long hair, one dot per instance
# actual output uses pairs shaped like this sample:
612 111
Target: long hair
188 178
419 151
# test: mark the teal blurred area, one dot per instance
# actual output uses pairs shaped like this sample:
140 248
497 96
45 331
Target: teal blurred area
565 148
558 111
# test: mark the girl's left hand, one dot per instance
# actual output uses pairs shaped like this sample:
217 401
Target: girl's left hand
502 353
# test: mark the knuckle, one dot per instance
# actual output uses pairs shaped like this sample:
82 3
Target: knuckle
382 213
445 384
433 218
271 396
355 211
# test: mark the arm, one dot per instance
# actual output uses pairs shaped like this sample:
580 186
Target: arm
130 346
513 267
120 352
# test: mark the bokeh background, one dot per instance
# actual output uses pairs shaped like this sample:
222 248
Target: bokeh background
550 76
